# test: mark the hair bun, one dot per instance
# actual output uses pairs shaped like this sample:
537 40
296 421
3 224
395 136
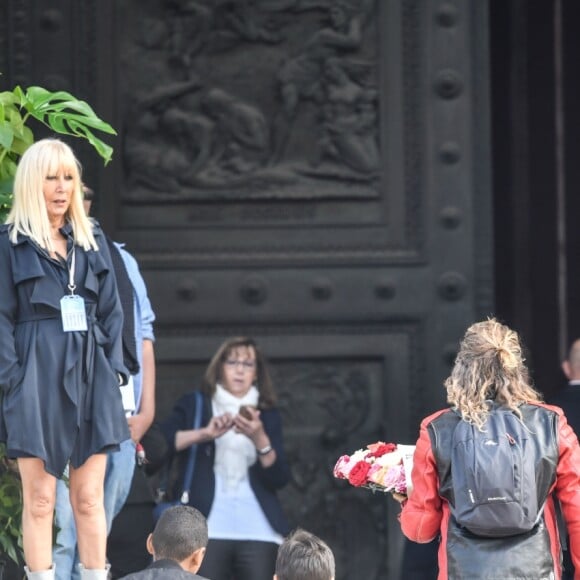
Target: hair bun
506 358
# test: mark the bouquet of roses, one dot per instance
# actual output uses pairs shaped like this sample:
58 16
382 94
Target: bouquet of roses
380 466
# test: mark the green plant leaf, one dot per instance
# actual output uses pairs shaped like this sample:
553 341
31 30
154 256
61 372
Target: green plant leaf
40 103
10 508
57 123
22 143
6 135
8 98
62 100
104 150
93 122
35 97
20 129
57 109
7 172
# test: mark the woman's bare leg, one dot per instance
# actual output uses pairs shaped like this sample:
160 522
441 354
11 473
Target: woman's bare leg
38 493
86 496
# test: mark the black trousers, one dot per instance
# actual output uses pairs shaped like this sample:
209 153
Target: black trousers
239 560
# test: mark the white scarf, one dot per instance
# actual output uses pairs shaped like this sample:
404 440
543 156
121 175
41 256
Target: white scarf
234 452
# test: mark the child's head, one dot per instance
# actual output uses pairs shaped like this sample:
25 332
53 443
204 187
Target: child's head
180 535
304 556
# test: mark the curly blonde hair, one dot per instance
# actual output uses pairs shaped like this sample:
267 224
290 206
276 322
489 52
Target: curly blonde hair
489 366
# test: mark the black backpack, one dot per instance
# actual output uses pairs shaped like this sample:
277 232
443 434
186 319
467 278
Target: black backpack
494 477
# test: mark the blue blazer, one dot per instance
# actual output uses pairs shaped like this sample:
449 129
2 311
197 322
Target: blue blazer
264 481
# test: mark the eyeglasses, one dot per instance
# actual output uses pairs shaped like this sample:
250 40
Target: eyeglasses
247 365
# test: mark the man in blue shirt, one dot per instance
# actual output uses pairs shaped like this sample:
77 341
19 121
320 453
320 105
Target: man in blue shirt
139 403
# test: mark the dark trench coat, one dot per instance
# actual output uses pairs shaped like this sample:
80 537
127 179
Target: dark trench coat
60 390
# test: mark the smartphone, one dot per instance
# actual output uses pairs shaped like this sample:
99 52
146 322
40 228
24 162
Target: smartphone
245 411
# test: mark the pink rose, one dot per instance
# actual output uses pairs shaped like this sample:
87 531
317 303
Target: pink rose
343 467
395 479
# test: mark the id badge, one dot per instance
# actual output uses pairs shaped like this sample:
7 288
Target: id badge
72 309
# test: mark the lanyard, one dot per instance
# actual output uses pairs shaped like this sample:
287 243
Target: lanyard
71 273
72 307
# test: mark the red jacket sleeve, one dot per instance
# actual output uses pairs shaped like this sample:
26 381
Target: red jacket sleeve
567 486
422 513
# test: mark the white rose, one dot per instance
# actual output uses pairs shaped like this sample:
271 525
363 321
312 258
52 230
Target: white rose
390 459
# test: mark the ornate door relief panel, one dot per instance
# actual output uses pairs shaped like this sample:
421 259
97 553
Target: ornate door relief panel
310 172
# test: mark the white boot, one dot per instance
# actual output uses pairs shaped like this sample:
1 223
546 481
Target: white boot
41 575
94 574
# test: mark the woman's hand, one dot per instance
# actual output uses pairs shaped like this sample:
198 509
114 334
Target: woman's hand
251 426
218 425
138 425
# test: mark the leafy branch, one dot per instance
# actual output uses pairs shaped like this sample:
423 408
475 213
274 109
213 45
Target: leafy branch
10 507
60 111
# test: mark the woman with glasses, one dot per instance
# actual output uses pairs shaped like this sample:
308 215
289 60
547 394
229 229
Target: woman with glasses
240 462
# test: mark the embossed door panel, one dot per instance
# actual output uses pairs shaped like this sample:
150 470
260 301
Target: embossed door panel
314 173
281 115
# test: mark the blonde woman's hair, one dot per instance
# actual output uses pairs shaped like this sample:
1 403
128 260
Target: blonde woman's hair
489 366
28 215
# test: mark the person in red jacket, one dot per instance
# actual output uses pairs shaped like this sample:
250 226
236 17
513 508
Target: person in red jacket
490 369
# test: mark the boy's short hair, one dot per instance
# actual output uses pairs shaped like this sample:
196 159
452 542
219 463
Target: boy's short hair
180 531
304 556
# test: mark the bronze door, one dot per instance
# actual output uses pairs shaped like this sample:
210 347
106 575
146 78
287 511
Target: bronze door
314 173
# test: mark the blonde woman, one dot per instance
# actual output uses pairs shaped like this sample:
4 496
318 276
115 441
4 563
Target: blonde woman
490 372
60 354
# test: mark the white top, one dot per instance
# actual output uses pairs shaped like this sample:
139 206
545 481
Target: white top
237 515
